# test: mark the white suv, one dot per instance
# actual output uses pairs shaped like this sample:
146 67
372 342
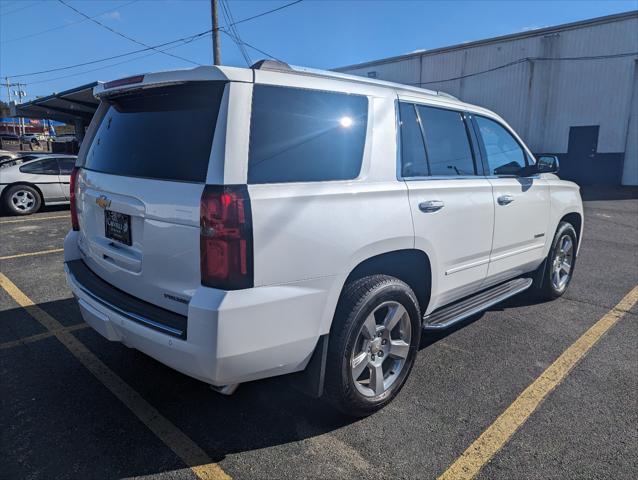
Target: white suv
237 224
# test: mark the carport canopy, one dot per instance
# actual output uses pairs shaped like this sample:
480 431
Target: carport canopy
75 106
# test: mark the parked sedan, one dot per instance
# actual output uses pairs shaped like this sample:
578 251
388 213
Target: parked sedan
26 187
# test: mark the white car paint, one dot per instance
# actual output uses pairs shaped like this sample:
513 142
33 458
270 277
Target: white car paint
308 236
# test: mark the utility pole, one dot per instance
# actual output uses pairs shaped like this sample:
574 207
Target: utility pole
217 47
8 84
20 94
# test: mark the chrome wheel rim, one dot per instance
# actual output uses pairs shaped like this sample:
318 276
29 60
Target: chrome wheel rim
563 262
381 349
23 200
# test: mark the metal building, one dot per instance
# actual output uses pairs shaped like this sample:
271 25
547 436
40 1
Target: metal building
569 90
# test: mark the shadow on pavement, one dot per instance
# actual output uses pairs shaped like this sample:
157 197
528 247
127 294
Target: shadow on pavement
594 193
45 388
524 299
45 209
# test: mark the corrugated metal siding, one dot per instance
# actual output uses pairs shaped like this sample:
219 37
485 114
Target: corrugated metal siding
630 171
541 99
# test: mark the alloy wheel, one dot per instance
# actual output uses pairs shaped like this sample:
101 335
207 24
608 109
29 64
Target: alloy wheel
562 263
381 349
23 200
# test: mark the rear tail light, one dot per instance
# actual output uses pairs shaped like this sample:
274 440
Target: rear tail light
72 187
226 237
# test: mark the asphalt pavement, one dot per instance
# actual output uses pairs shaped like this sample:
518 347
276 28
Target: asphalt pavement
60 419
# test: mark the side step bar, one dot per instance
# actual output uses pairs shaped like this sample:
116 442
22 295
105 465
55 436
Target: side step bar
448 316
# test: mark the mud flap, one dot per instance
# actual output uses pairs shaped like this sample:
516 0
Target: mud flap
310 381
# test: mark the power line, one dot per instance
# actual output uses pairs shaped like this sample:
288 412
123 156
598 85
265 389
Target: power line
236 32
229 22
121 34
525 59
108 66
249 45
267 12
113 57
4 14
184 40
59 27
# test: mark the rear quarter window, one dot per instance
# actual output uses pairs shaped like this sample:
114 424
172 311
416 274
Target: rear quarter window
162 132
299 135
48 166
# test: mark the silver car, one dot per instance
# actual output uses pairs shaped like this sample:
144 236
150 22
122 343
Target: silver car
25 186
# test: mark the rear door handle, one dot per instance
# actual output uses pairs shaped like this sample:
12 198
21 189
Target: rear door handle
505 199
431 206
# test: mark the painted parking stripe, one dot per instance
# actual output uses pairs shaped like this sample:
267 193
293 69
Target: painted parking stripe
190 453
31 254
35 219
39 336
482 450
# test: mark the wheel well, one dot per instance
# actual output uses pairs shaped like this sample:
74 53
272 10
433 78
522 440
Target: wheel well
410 266
35 187
576 220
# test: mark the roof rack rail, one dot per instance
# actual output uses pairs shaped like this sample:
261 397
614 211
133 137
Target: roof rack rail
268 64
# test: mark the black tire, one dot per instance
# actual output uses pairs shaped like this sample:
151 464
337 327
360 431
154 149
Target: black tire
359 300
543 287
13 205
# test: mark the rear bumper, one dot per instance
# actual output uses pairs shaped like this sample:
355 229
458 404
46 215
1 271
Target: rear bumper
231 337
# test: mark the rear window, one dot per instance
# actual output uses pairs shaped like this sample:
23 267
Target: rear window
164 133
299 135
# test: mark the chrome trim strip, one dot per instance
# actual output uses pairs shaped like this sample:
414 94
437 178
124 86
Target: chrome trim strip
131 316
516 252
460 268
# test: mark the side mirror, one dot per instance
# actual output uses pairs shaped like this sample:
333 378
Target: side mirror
547 164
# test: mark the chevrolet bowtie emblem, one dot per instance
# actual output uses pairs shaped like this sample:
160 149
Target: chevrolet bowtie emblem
103 201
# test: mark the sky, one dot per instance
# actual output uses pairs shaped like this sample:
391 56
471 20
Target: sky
43 35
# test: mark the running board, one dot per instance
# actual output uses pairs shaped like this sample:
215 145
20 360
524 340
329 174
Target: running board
448 316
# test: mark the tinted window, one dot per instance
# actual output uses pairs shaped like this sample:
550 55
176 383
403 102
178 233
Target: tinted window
504 155
42 167
305 136
164 133
66 165
413 163
447 142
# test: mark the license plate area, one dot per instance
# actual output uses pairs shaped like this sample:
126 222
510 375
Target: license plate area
117 226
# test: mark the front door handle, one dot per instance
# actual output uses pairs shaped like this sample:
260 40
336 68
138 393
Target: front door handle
431 206
505 199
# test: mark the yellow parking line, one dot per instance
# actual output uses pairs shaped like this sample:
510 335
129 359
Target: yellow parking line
43 252
39 336
35 219
190 453
492 440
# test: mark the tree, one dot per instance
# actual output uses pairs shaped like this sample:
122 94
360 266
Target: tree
4 109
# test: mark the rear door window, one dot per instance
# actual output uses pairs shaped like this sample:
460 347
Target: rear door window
447 142
299 135
163 132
